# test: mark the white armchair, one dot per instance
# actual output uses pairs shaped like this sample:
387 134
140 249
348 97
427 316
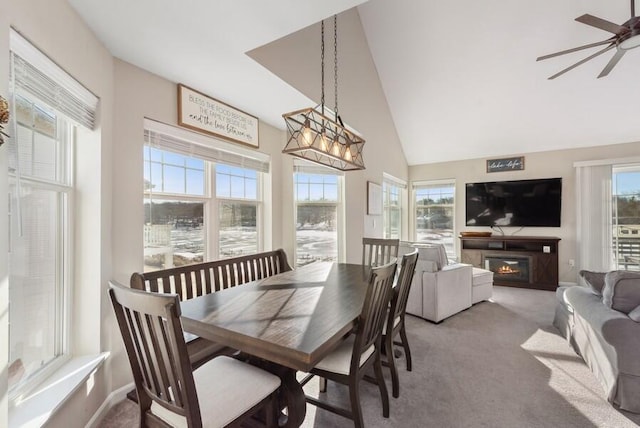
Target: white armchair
438 290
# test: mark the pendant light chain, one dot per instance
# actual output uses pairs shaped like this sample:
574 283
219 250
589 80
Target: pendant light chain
317 136
322 63
335 63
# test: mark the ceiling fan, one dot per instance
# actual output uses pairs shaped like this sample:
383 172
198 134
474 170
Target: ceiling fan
626 37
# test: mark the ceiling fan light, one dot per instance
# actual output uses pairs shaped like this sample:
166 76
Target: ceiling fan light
630 42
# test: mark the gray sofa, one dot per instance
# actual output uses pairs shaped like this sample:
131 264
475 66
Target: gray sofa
601 321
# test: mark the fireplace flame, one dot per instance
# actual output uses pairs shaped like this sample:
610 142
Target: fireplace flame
505 270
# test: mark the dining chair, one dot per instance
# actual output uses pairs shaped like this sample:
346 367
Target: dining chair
396 317
379 251
348 363
223 392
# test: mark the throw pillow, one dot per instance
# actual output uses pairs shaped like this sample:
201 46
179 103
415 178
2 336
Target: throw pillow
594 280
621 290
635 314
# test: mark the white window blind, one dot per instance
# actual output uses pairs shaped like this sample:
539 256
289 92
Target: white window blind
594 220
36 74
188 143
393 181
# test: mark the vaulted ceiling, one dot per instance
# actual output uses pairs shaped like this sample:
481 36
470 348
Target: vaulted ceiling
460 78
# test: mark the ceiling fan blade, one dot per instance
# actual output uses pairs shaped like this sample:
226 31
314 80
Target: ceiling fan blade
602 24
612 63
600 52
579 48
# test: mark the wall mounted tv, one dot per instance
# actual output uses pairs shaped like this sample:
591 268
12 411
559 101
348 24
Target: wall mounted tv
514 203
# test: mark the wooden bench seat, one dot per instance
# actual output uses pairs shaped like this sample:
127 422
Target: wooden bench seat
208 277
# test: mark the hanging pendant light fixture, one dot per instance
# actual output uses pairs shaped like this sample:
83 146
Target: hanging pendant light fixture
318 134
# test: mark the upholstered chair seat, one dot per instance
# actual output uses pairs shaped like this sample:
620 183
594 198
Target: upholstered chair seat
339 360
224 392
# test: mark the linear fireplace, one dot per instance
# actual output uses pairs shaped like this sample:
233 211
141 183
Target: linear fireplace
509 268
517 261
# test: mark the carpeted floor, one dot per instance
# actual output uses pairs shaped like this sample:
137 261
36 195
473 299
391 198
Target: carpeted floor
498 364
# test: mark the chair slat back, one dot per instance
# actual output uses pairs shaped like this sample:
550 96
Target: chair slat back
374 310
203 278
153 338
403 285
378 251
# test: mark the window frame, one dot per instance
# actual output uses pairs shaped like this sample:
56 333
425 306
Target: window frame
619 260
64 188
338 204
415 186
391 182
211 203
259 201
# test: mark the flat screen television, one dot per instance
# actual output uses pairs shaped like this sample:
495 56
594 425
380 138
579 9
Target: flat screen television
514 203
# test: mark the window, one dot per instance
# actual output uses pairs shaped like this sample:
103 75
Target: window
318 199
237 192
46 107
435 213
174 208
39 213
392 190
626 217
202 197
608 215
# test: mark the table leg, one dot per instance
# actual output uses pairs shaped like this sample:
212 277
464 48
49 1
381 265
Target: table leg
293 405
292 399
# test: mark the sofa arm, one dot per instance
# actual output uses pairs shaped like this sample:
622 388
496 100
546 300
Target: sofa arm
446 292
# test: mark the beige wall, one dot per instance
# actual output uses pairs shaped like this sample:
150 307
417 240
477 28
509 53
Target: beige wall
537 165
55 28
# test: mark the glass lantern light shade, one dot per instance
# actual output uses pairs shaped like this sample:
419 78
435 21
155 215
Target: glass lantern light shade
314 136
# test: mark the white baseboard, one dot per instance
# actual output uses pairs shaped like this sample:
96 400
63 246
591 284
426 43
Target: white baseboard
114 398
567 284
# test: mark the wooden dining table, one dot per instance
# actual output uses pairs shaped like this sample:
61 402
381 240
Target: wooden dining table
285 323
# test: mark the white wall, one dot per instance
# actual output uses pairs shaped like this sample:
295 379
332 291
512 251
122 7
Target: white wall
537 165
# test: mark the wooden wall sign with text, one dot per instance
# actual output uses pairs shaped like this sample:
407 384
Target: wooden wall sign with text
506 164
199 112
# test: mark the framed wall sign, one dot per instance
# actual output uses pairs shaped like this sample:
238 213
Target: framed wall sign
202 113
374 198
506 164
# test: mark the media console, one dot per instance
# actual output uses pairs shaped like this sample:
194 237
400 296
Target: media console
516 261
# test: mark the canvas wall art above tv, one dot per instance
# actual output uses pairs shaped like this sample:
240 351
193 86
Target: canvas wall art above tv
514 203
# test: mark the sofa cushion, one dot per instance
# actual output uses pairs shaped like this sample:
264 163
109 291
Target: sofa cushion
635 314
594 280
433 252
621 290
482 276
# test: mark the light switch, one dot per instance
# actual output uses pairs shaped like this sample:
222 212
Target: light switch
546 249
